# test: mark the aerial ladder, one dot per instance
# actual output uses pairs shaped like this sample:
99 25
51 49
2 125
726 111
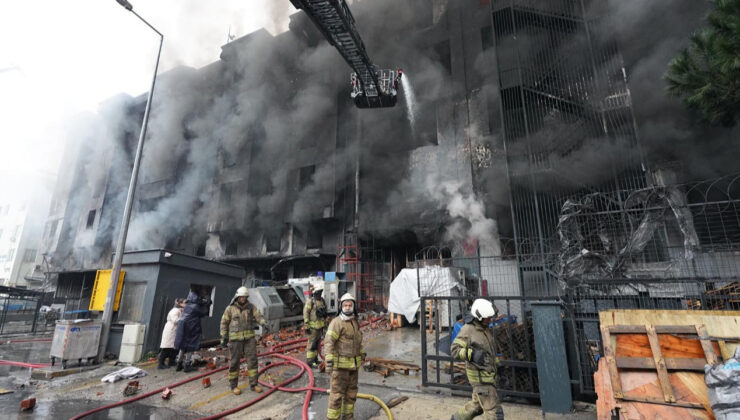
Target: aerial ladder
371 87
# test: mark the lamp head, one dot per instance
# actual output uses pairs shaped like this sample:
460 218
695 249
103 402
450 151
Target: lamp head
125 4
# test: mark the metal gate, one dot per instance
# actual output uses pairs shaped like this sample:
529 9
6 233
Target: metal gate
512 292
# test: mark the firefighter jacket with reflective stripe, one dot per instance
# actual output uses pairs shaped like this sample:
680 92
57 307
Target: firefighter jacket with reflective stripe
476 336
239 322
310 316
343 344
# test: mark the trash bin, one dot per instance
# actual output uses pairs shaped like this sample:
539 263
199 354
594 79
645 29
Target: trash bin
76 339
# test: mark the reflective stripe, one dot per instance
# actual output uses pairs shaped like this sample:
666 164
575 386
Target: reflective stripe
241 335
460 342
233 375
316 325
348 362
252 373
476 376
333 334
311 354
329 357
348 408
332 413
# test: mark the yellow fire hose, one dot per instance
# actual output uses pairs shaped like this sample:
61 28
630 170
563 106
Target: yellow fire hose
379 402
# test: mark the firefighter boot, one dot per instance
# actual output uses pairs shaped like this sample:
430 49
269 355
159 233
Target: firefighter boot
234 385
188 367
179 366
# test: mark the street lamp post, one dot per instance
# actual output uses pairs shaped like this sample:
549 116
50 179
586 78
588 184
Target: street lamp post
118 257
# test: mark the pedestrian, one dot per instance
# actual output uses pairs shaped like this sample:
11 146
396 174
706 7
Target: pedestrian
189 330
167 345
344 356
238 323
475 346
459 323
314 320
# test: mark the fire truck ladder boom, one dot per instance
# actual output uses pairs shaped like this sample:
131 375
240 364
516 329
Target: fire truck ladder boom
335 21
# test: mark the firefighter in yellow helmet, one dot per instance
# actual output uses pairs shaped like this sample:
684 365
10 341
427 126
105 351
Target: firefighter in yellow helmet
238 323
474 345
344 355
314 320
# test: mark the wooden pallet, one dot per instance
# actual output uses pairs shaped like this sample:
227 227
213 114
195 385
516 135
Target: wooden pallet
634 355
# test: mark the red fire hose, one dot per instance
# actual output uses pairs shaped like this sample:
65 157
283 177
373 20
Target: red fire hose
274 351
23 364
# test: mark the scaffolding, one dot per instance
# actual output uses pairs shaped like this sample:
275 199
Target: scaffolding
359 260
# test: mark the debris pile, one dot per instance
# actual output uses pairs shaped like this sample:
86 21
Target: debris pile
386 367
131 388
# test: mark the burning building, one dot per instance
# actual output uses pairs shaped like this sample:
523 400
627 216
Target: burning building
510 108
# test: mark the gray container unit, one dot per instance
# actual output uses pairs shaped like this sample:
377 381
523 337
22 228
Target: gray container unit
75 340
154 278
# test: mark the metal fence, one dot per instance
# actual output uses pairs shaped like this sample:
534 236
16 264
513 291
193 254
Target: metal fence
513 331
20 312
664 247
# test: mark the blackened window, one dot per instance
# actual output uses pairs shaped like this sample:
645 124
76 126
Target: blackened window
90 219
486 37
201 251
272 241
442 50
305 176
314 238
225 197
231 248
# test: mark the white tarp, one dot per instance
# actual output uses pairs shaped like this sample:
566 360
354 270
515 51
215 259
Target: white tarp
433 280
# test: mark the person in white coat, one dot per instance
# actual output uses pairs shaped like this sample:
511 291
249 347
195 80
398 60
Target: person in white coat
167 346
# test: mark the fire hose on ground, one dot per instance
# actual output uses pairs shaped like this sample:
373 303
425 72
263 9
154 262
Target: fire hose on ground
274 351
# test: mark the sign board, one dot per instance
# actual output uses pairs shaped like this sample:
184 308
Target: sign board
100 290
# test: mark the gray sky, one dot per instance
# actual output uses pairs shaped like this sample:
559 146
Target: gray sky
61 58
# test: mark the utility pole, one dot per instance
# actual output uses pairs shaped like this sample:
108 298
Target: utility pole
121 245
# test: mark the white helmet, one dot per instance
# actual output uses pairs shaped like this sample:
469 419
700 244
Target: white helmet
318 286
482 308
346 296
242 291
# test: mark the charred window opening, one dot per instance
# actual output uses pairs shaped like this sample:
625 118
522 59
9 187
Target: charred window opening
486 37
90 219
224 199
272 241
444 57
231 248
305 176
201 250
314 237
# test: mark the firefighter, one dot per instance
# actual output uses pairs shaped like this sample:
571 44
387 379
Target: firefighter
238 323
314 319
474 345
344 356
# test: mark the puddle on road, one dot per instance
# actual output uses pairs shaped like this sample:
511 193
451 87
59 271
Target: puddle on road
66 409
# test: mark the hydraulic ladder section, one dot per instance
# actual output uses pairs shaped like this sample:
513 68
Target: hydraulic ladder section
372 88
